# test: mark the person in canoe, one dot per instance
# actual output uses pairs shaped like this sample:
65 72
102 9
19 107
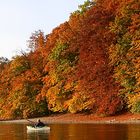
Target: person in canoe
39 123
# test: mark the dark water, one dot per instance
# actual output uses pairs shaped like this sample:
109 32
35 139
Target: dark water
11 131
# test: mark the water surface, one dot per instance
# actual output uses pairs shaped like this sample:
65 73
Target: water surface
15 131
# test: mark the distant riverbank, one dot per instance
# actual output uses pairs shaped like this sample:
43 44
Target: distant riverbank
82 118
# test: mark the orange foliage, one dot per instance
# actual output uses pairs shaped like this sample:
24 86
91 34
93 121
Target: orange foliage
83 65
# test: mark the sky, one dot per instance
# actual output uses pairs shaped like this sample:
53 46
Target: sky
20 18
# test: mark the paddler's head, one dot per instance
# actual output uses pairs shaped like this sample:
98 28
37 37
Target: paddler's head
38 120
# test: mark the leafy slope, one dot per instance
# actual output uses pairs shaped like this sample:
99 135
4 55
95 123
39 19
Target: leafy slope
88 64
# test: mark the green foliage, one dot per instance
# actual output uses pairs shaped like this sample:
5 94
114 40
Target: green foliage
84 7
19 65
3 62
72 58
136 107
57 51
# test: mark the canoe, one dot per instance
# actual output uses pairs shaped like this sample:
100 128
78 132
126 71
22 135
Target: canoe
38 128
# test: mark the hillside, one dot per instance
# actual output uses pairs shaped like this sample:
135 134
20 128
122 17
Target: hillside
90 63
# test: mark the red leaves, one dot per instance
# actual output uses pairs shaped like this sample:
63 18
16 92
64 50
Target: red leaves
70 68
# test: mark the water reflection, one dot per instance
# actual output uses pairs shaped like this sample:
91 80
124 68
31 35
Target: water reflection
133 132
37 135
9 131
88 132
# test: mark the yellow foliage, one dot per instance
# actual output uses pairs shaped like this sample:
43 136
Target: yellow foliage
55 102
79 102
53 91
133 103
114 55
53 77
68 86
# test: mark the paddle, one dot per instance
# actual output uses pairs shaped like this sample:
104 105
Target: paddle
34 123
39 124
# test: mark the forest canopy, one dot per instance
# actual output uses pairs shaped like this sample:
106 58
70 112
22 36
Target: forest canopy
90 63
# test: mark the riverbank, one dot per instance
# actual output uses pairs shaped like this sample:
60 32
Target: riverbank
82 118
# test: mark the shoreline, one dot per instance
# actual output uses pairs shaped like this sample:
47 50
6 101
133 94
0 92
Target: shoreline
126 118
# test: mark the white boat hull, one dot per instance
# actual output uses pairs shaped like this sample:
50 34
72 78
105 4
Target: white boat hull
32 128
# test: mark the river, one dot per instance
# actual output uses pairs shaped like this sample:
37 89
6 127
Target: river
15 131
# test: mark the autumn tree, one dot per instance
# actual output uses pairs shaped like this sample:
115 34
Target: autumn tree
89 63
124 52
